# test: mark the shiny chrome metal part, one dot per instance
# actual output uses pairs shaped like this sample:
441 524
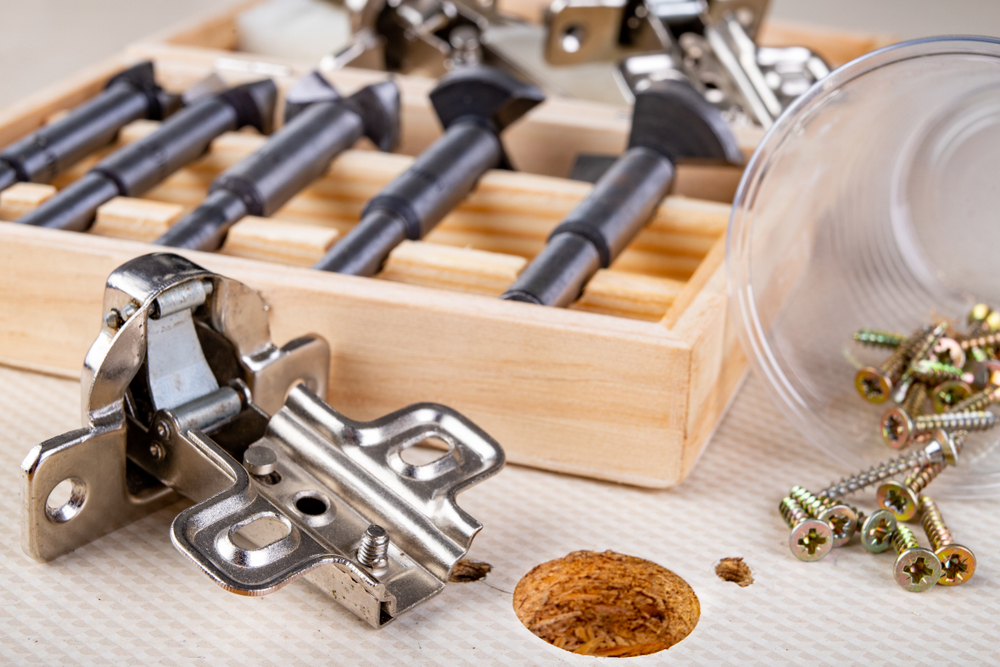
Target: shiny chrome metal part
426 37
182 386
708 42
601 50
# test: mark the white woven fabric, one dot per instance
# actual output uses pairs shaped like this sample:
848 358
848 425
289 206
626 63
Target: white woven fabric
131 598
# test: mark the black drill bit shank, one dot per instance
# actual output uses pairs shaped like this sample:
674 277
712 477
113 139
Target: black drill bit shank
142 165
671 121
128 96
319 125
475 105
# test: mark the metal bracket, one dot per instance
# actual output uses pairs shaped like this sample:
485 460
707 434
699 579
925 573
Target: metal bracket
708 42
179 389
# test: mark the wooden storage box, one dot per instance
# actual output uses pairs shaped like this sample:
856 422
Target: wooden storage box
627 385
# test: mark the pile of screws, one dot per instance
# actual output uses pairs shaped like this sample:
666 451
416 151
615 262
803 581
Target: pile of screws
943 382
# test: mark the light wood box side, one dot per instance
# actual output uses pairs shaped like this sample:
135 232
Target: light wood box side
560 389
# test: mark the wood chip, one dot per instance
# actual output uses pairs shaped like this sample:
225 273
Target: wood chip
467 570
606 604
734 570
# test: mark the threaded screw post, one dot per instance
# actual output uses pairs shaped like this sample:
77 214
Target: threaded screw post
373 552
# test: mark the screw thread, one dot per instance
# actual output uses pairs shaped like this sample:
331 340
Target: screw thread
894 366
878 473
925 344
933 522
918 480
792 512
978 401
815 505
958 439
988 341
374 546
950 421
903 539
935 372
812 504
876 338
978 354
915 400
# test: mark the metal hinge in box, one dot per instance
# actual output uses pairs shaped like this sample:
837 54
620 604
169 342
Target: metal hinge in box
184 393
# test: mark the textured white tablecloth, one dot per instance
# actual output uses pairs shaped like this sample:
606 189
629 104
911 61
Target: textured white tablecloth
131 598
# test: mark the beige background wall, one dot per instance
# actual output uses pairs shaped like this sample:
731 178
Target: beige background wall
42 41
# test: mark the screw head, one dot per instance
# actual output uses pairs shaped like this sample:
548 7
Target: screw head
918 569
843 523
897 428
978 313
873 385
958 564
948 394
948 350
877 530
157 451
810 540
162 430
898 499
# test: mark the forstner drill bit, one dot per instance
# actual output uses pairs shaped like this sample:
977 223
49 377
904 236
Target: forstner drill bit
475 105
138 167
670 122
319 126
45 153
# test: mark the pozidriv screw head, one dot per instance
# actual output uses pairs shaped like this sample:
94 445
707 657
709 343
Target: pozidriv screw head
873 385
897 428
949 394
898 499
877 530
810 539
917 569
958 564
843 523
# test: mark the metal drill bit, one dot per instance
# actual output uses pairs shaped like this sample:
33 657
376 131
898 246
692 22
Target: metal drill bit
670 122
319 125
43 154
140 166
475 104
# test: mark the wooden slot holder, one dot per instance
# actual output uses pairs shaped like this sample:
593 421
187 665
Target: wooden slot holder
625 386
